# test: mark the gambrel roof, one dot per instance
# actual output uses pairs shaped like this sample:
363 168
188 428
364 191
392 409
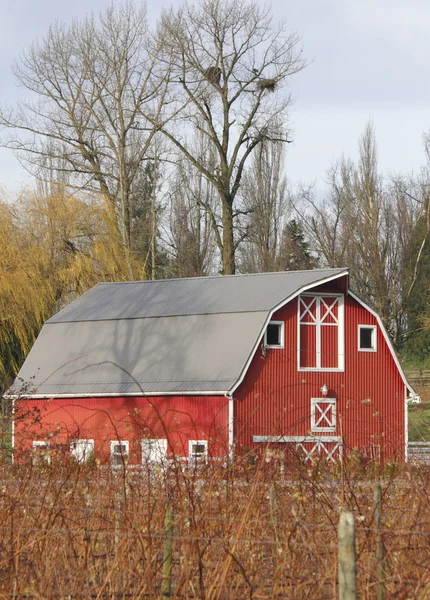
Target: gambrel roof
193 335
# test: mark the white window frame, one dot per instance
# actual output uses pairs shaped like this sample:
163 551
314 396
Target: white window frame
154 450
316 418
374 329
340 333
281 335
82 450
46 457
192 458
124 455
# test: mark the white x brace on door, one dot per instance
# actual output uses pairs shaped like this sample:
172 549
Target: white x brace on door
312 446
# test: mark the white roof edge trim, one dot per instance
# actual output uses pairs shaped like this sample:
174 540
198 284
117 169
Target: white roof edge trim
270 314
114 395
387 339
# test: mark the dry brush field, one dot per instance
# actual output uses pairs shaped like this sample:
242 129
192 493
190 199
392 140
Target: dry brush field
242 531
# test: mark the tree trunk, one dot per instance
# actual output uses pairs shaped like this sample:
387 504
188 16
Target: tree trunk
228 263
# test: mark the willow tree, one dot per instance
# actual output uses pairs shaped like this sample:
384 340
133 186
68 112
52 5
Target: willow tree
52 249
94 105
230 68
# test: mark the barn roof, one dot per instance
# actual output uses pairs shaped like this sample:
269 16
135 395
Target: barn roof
189 296
192 335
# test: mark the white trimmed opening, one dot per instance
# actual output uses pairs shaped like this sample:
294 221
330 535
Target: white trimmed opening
41 453
119 453
323 414
197 451
367 338
274 335
82 450
154 451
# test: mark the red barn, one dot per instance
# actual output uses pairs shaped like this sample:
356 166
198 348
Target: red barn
207 366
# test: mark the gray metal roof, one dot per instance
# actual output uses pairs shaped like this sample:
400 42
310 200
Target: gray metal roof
181 354
173 336
192 296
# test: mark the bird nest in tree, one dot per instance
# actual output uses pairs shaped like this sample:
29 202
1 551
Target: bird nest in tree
213 75
267 84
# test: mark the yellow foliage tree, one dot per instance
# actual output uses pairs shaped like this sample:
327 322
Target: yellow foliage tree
52 249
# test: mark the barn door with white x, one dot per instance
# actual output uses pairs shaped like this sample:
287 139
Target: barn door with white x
323 414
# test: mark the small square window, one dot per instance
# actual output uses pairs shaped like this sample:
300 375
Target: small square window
82 450
367 338
197 451
41 453
154 451
118 453
274 335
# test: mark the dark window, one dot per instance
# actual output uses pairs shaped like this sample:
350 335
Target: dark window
367 338
199 449
274 334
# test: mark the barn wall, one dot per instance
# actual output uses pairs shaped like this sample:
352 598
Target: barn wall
275 398
175 418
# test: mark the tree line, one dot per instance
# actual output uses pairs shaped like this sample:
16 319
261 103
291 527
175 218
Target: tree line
160 151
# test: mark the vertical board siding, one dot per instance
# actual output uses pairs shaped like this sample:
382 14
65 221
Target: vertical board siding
275 398
175 418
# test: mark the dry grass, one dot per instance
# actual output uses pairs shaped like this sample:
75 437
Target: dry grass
243 531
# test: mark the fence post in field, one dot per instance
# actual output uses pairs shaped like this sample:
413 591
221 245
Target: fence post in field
166 585
346 557
274 505
379 546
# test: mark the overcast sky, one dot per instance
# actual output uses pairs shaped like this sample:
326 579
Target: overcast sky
367 59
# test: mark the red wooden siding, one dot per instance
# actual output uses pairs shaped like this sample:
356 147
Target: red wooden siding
275 398
175 418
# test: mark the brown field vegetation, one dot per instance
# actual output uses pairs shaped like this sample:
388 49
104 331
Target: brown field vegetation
252 529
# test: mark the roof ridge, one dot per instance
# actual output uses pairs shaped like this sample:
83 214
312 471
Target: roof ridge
205 277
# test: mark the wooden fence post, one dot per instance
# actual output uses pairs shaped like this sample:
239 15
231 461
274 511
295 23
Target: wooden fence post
274 505
166 585
347 569
379 546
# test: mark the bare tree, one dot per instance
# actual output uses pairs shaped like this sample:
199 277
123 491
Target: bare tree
265 203
194 218
412 261
231 68
95 96
191 235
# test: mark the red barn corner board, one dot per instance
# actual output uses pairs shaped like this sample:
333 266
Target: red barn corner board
205 367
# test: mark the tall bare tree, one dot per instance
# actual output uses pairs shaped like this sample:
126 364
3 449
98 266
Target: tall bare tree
94 98
191 238
264 197
231 68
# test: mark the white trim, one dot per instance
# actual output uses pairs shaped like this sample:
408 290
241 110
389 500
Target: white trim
113 395
13 431
318 324
281 439
269 316
374 338
314 420
124 455
230 425
387 339
281 335
194 459
406 423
